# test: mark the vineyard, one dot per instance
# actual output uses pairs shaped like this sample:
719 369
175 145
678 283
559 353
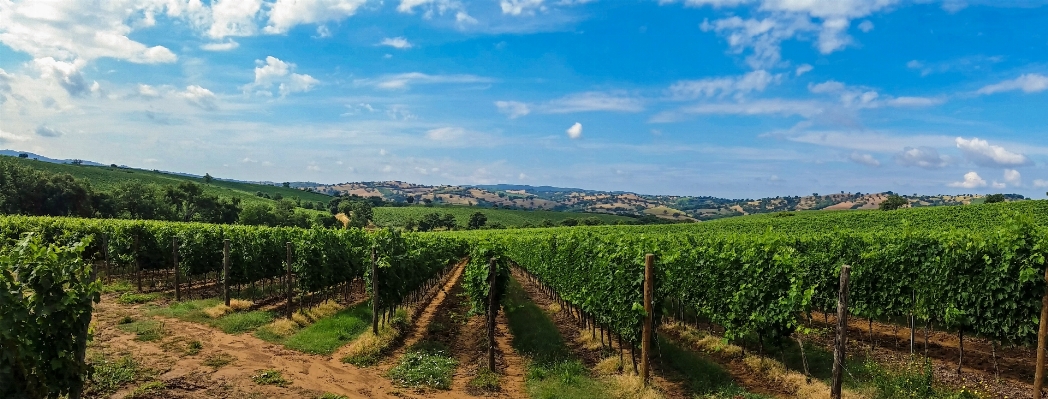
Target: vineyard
973 271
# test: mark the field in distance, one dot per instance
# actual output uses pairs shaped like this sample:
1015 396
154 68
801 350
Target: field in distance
398 216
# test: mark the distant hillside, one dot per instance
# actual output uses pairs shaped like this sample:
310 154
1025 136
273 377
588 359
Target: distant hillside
525 197
105 177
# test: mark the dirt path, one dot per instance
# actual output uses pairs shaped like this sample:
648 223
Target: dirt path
187 377
569 329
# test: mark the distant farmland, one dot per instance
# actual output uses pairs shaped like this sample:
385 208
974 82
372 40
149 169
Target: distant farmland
398 216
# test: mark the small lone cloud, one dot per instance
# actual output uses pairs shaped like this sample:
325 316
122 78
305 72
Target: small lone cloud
45 131
971 180
396 42
575 131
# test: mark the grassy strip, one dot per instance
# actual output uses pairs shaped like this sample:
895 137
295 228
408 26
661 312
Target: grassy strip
197 311
425 365
703 377
551 372
328 334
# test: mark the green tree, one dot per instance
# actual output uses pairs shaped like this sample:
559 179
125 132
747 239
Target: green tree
287 185
893 202
994 198
258 214
362 214
569 222
208 179
477 220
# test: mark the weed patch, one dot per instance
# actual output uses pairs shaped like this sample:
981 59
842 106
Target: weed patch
144 330
147 390
270 377
218 360
130 298
328 334
109 375
426 365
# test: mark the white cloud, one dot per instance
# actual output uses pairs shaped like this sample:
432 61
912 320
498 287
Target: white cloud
982 153
593 101
997 184
323 31
6 137
1012 176
462 18
575 131
971 180
724 86
44 131
518 7
220 46
779 107
66 74
406 80
431 7
1040 183
200 97
273 71
148 91
396 42
923 157
286 14
787 19
445 133
1028 83
82 30
514 109
803 69
866 26
865 159
234 18
862 97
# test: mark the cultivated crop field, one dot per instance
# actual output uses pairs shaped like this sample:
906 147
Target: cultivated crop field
398 216
943 303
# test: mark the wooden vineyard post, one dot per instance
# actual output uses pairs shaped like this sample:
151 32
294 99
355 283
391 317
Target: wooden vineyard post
174 255
138 266
105 252
492 308
645 343
374 291
1038 381
225 270
840 341
287 278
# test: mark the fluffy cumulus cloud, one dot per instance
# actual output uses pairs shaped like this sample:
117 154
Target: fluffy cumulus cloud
739 86
982 153
234 18
272 72
396 42
286 14
864 159
513 109
1028 83
200 97
65 74
971 180
779 20
1012 176
575 131
403 81
922 157
81 30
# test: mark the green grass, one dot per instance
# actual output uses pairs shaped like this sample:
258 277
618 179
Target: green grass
425 365
398 216
328 334
145 330
147 390
702 376
117 286
129 298
551 372
111 374
233 323
485 380
241 322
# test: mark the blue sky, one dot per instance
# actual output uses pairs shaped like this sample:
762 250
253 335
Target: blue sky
731 98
